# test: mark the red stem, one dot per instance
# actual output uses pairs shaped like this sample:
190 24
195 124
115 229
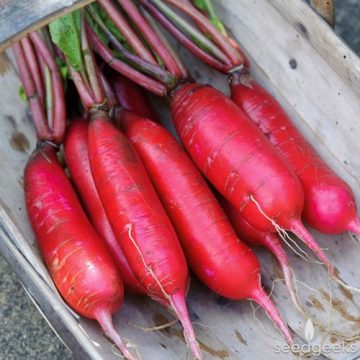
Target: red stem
59 112
82 89
35 104
124 69
235 57
110 95
34 68
153 39
183 39
126 30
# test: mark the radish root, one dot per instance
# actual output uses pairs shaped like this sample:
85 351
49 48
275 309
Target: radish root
105 321
285 236
155 328
177 303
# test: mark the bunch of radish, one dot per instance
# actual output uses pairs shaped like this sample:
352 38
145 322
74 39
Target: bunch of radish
151 210
78 261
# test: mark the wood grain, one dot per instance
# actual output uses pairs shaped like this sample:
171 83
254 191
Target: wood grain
18 17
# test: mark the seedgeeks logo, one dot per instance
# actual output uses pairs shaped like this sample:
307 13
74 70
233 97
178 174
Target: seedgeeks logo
315 349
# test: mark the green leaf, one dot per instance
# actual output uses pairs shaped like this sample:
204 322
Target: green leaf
22 94
65 33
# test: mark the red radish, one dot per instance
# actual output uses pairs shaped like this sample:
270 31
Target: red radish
131 97
139 220
329 201
76 257
254 237
240 162
214 252
77 160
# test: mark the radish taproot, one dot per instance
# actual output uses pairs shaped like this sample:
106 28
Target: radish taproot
216 255
77 160
329 201
78 262
254 237
131 97
215 131
134 211
240 162
139 220
76 257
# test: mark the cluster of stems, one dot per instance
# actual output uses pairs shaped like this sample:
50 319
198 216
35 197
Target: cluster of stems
43 85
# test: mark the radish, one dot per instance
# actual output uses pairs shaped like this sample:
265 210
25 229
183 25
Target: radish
76 257
224 143
139 221
214 252
240 162
77 260
132 206
77 160
254 237
329 201
131 97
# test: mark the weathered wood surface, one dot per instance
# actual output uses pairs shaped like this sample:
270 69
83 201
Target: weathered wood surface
18 17
227 330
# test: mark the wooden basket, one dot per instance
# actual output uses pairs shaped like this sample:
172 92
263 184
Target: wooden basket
316 78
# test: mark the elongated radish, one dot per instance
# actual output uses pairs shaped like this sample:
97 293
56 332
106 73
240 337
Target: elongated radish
215 254
76 257
139 220
77 160
254 237
240 162
131 97
132 206
329 201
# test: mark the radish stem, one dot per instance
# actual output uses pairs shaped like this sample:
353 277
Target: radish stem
120 22
124 69
171 63
147 67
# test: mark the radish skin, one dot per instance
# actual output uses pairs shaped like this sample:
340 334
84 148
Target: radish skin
76 257
240 162
329 201
139 220
131 97
214 252
77 160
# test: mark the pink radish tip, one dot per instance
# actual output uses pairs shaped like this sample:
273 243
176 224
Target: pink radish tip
354 226
179 306
303 234
103 316
262 298
273 244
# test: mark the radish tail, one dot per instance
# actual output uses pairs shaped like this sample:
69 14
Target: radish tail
354 226
274 245
262 298
300 231
104 318
179 306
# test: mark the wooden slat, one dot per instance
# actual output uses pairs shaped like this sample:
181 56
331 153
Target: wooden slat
18 17
330 46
